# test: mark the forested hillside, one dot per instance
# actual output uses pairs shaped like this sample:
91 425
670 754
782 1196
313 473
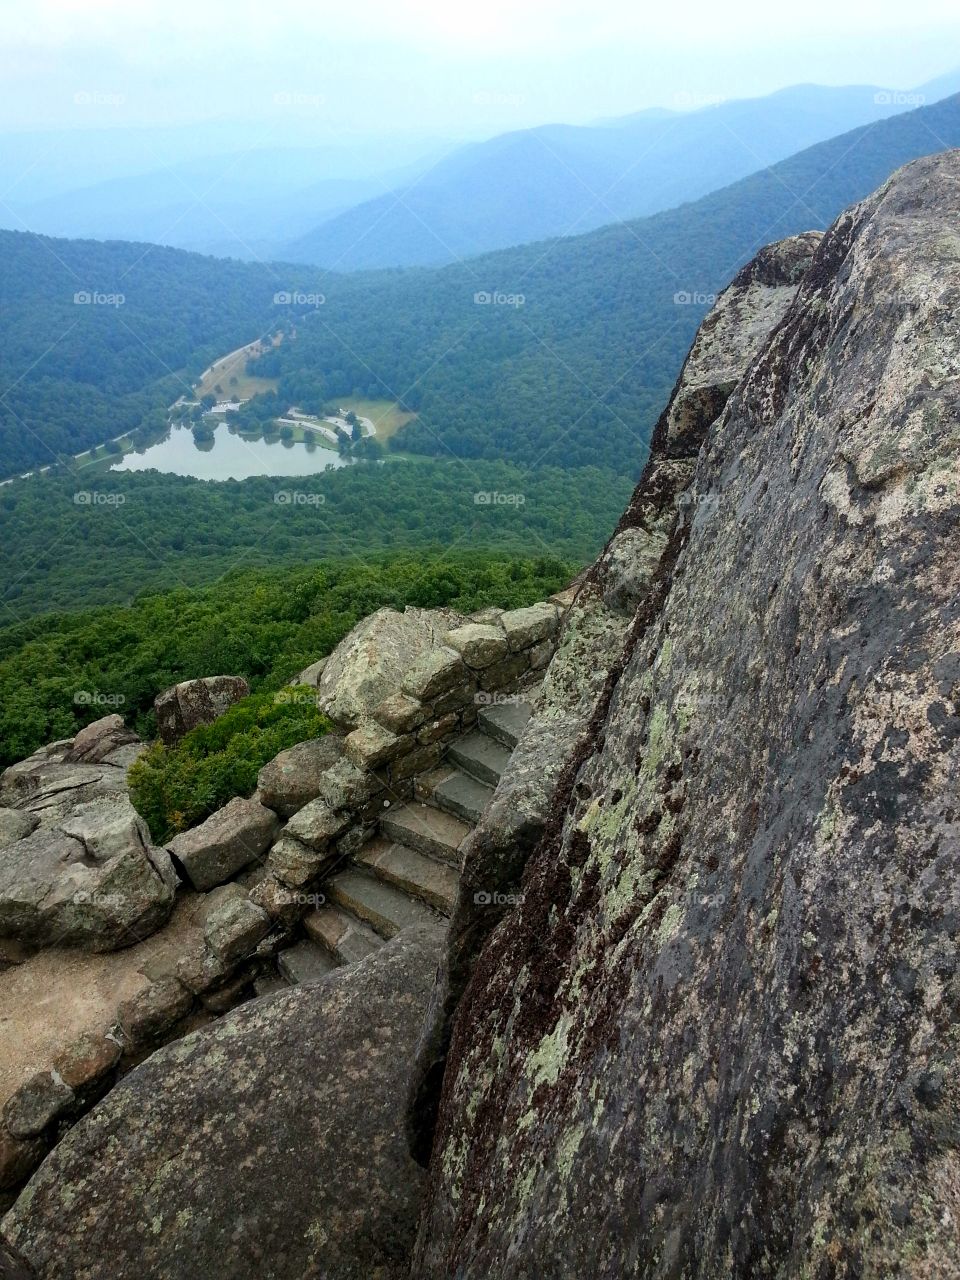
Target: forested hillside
97 337
151 531
560 352
572 349
58 673
565 179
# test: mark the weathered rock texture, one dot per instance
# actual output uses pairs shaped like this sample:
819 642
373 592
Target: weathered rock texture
372 660
633 570
90 880
719 1035
270 1145
225 843
192 703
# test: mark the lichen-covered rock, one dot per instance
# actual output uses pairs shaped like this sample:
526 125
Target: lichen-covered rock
234 928
745 314
94 881
599 612
269 1144
100 740
228 841
14 825
192 703
370 662
435 673
36 1104
478 644
400 713
292 779
718 1035
295 864
47 786
317 824
371 745
524 627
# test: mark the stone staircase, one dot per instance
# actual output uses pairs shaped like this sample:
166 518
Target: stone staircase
409 872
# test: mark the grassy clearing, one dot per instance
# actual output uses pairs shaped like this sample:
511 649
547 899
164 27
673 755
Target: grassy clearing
234 366
386 415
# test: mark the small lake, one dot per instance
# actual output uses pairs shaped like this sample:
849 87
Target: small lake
229 456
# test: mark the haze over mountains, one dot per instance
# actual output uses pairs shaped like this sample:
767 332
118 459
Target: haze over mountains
166 186
572 372
562 180
412 200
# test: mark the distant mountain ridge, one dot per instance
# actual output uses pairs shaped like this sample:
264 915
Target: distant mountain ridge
577 360
556 353
564 179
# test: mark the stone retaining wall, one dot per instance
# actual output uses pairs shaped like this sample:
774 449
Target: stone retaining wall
330 794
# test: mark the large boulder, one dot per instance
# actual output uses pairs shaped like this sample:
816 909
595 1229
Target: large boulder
48 785
92 880
102 740
293 778
629 574
229 840
269 1144
192 703
371 662
718 1035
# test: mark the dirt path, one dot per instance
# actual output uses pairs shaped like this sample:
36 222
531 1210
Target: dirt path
56 995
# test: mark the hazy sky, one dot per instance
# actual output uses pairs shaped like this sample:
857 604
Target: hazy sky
443 67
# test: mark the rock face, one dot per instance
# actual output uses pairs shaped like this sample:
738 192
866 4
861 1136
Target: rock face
632 569
92 880
371 661
14 826
228 841
718 1035
192 703
49 784
268 1145
293 778
101 741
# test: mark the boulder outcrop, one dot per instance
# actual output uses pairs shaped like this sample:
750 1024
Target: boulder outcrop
718 1033
229 840
371 662
192 703
294 777
271 1144
93 880
631 572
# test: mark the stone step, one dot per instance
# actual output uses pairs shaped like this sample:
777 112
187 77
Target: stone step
482 757
378 904
426 878
425 830
455 792
268 984
305 963
504 721
340 933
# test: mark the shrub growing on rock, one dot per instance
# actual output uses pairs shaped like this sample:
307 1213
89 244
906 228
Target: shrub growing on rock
174 788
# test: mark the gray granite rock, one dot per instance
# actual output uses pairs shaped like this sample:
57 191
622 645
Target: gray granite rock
233 929
269 1144
292 779
94 881
478 644
717 1036
229 840
192 703
370 663
14 825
